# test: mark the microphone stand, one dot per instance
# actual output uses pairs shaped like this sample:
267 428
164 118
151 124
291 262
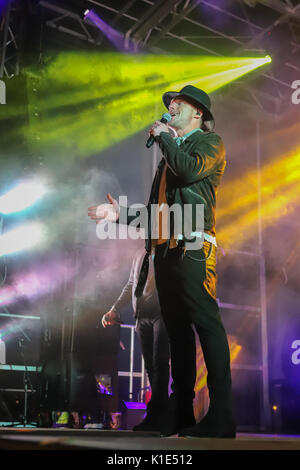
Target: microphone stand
26 382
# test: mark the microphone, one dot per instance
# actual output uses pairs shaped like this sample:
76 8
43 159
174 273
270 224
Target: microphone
166 117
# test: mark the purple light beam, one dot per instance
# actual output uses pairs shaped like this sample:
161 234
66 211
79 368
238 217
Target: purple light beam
114 36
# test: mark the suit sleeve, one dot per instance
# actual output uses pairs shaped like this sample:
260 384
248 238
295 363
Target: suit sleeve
207 156
126 295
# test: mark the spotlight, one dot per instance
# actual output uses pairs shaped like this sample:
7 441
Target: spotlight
115 37
22 196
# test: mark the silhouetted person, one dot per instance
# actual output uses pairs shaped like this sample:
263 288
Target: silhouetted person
153 338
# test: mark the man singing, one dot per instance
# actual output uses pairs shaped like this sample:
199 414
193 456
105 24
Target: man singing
189 173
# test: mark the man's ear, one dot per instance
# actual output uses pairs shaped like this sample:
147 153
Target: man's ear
198 114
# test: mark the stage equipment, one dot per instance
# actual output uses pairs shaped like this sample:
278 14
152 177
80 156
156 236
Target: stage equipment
132 413
19 385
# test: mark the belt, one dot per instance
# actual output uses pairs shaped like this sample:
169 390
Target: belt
204 235
145 265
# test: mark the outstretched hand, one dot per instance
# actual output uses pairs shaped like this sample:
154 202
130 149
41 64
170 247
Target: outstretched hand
107 212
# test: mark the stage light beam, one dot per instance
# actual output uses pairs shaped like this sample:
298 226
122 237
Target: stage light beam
21 238
22 196
114 36
116 95
280 196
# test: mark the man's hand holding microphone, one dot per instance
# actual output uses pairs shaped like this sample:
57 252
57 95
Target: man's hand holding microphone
157 128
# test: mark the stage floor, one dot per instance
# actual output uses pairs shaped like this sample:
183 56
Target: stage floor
114 441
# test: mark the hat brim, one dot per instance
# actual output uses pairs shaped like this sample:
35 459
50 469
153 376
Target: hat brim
207 115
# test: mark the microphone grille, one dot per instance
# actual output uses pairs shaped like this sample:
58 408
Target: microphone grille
167 117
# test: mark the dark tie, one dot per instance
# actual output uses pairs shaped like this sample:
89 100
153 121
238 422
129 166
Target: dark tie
143 276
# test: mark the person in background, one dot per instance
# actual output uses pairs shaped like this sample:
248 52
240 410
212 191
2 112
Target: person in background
153 338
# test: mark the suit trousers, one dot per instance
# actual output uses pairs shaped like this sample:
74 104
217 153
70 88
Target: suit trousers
186 285
154 342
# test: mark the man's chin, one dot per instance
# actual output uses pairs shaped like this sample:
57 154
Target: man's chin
174 125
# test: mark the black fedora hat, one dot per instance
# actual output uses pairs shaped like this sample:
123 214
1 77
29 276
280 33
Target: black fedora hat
196 97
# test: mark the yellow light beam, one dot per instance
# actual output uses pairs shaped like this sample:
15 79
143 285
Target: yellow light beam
276 176
246 225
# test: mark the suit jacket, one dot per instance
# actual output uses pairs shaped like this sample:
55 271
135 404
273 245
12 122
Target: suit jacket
147 304
194 172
